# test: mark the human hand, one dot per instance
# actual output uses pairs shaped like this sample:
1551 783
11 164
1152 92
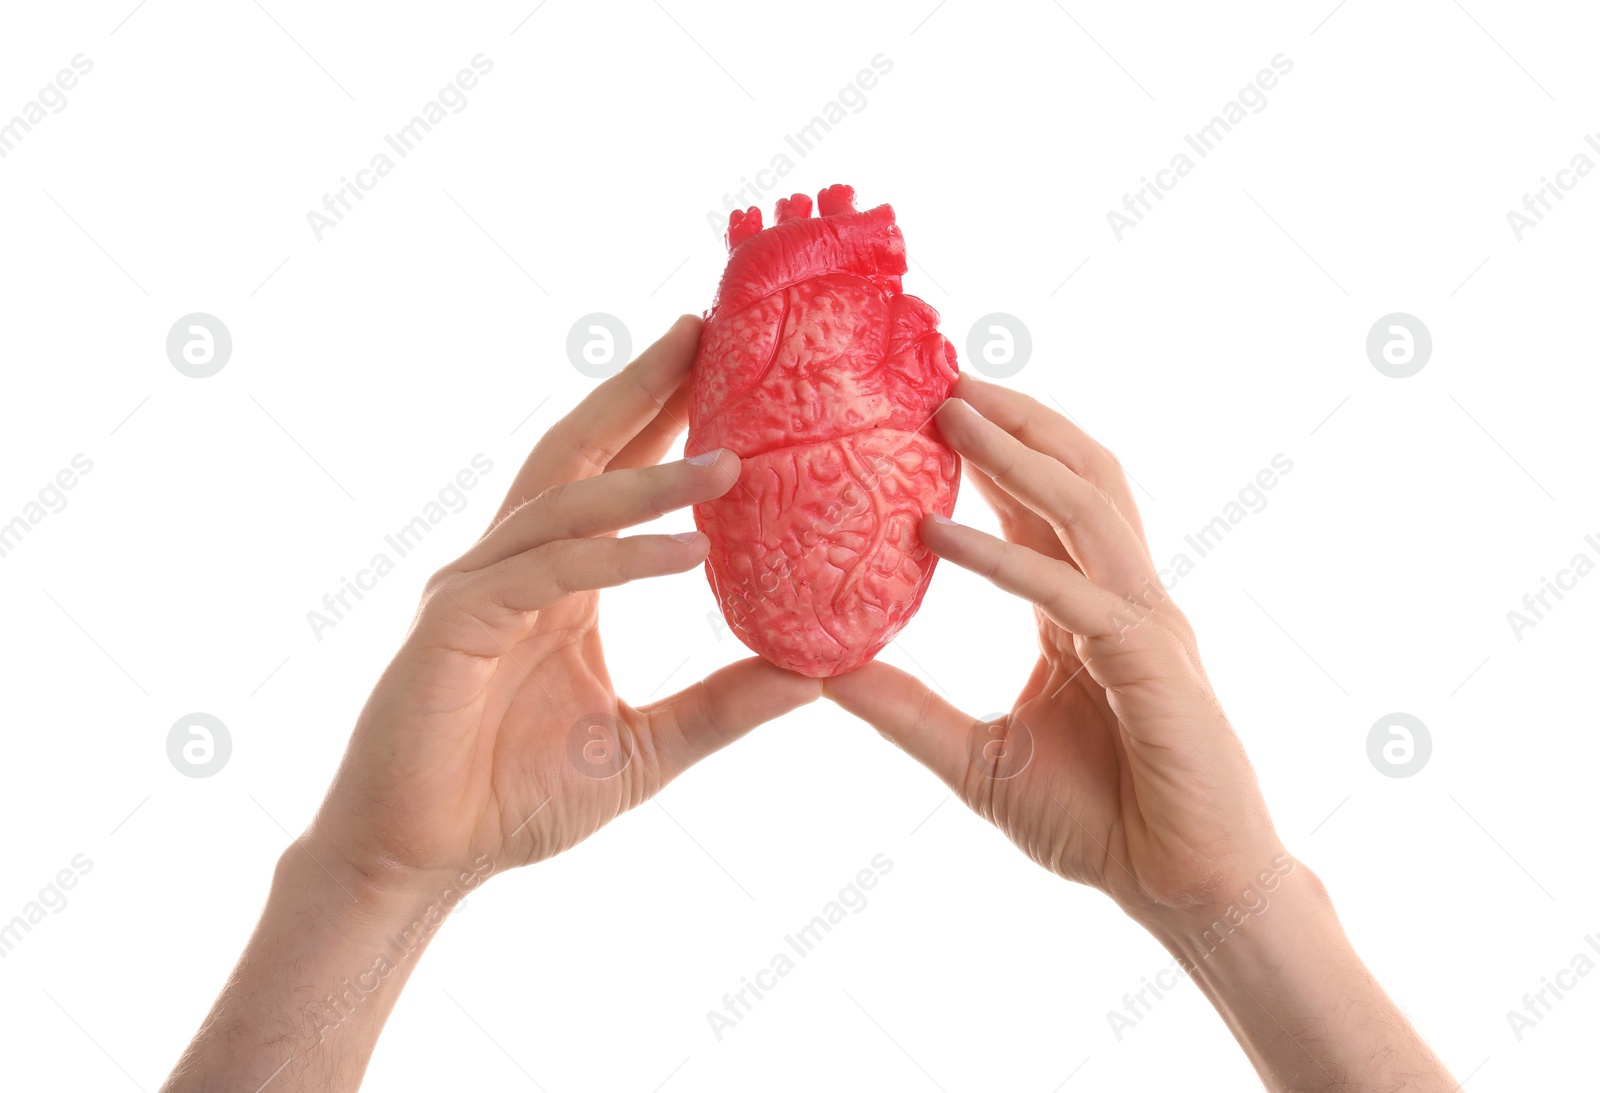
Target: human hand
495 732
494 738
1116 766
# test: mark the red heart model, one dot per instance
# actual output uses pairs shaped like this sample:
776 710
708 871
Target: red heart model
823 376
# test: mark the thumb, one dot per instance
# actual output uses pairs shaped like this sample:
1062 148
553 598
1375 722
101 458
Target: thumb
904 709
686 727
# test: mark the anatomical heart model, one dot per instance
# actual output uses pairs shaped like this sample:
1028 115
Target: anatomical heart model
823 377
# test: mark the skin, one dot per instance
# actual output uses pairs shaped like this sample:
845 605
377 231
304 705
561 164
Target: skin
494 740
1117 768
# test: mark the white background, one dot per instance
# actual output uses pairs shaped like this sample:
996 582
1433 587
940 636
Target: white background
369 367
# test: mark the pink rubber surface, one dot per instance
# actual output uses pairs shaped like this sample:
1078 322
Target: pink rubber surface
823 376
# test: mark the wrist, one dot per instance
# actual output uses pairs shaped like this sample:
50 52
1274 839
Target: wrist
398 908
1283 893
360 933
1278 968
320 975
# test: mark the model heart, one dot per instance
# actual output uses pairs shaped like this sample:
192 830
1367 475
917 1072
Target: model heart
823 376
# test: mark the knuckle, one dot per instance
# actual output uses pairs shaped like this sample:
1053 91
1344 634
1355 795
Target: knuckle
550 498
630 559
635 373
592 458
1000 561
654 490
1008 464
1109 467
443 596
720 474
1178 623
443 583
558 556
1065 508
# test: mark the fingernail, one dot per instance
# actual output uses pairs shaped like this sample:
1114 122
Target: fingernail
939 518
687 536
705 459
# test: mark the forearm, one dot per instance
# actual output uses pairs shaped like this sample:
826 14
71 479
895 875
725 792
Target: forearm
305 1004
1299 1000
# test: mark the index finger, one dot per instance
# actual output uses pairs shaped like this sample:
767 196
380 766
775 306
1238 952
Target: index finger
1056 435
581 444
